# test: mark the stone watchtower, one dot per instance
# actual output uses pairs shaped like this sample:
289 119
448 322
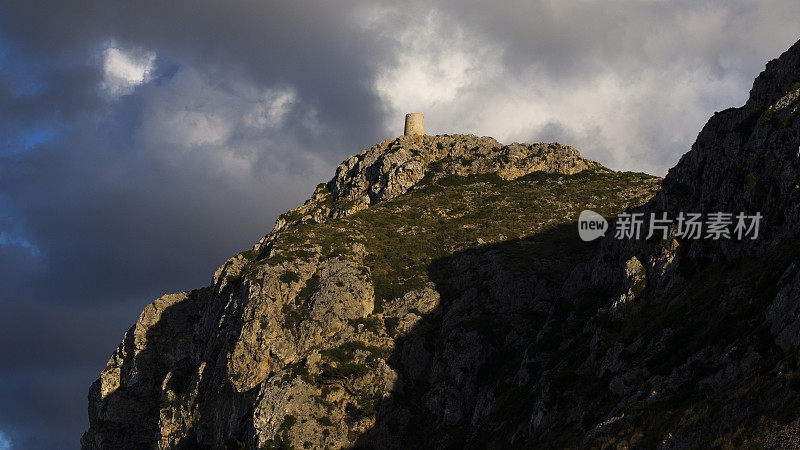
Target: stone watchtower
415 125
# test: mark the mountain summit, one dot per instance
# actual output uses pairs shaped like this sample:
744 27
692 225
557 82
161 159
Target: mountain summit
435 293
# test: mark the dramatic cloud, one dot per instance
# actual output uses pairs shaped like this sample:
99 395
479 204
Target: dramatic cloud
141 144
628 83
122 72
433 65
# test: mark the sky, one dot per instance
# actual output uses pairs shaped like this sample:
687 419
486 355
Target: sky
143 143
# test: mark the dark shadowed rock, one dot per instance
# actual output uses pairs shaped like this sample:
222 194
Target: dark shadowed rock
435 294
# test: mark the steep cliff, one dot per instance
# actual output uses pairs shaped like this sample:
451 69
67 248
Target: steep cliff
435 293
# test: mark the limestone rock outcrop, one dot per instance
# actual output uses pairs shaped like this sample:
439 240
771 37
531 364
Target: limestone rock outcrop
435 294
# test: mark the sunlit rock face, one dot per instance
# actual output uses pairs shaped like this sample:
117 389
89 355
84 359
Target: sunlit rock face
435 293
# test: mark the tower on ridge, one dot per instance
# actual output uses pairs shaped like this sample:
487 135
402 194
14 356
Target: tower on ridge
415 125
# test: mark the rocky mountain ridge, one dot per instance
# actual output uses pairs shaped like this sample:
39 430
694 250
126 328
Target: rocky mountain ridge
316 290
748 157
392 167
435 293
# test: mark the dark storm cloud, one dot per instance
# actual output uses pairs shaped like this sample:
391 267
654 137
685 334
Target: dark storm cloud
101 186
316 47
247 107
569 39
142 143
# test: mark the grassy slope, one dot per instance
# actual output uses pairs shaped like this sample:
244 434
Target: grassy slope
408 236
403 236
411 237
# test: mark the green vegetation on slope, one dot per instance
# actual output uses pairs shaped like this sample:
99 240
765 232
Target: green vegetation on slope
527 225
404 235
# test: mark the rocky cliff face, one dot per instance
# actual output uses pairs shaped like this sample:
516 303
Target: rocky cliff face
392 167
435 293
746 159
